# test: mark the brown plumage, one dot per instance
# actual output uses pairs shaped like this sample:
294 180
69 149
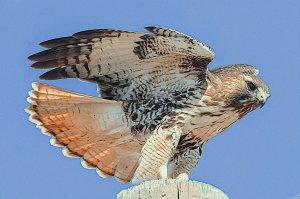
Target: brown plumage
159 104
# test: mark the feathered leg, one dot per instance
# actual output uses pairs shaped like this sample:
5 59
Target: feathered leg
157 152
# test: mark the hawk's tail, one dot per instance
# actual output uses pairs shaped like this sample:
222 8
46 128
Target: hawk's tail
97 130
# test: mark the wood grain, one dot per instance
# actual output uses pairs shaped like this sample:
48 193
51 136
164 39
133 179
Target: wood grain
172 189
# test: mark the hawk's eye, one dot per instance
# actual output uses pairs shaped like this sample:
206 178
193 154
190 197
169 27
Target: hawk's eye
251 86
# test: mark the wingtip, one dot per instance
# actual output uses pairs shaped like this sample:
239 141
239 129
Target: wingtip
32 57
39 65
60 41
47 76
45 44
150 28
42 77
57 73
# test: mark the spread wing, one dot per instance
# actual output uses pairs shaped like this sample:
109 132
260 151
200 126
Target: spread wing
157 73
128 65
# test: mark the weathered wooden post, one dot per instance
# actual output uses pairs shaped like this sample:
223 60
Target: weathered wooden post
172 189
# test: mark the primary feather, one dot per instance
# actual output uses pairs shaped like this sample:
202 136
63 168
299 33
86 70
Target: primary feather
160 102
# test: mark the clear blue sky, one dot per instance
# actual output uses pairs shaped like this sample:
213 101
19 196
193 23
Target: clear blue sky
258 157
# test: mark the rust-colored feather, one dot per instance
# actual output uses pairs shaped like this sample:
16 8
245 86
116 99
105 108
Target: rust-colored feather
86 127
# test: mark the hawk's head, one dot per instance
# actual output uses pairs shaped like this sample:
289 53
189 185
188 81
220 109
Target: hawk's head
243 89
257 91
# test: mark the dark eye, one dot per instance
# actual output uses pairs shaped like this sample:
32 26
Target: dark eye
251 86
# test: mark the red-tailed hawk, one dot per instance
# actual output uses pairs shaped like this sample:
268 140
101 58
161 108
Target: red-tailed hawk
159 103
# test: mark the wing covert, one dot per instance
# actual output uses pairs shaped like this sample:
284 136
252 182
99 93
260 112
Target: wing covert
127 64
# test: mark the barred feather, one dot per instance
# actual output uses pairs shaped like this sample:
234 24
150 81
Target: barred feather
161 104
90 128
105 55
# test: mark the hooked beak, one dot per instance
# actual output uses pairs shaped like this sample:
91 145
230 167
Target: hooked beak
262 103
262 97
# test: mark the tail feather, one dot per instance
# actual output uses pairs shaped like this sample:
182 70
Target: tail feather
94 129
